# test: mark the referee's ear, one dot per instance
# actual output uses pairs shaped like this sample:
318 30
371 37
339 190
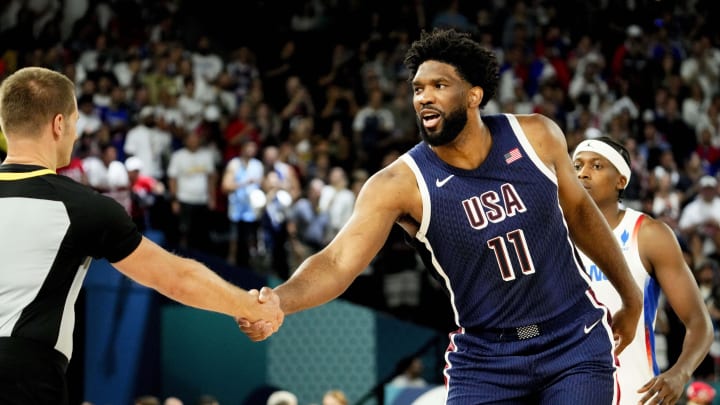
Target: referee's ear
58 126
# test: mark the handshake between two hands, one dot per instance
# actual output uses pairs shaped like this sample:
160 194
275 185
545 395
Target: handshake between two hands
270 315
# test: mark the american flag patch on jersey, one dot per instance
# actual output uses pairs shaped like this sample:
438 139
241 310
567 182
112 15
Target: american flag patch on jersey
512 156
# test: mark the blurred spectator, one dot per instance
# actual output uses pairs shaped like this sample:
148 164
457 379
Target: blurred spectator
207 400
694 104
108 175
172 401
207 64
192 181
337 201
372 127
286 173
334 397
278 71
519 27
708 150
702 64
241 127
224 90
306 224
666 199
282 398
700 393
241 182
630 62
191 107
144 191
340 106
147 400
243 71
652 145
298 104
405 126
116 115
89 120
267 123
702 215
274 224
397 264
680 135
409 373
149 143
590 84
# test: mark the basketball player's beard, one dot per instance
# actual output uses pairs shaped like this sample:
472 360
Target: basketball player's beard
452 125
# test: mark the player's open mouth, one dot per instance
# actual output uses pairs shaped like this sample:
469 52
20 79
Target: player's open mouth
430 119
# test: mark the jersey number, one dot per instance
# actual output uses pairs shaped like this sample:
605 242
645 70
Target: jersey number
498 245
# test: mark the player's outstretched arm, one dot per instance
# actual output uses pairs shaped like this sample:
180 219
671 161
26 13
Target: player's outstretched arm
191 283
328 273
660 252
384 198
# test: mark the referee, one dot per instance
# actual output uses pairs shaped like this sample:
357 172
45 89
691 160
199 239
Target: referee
50 229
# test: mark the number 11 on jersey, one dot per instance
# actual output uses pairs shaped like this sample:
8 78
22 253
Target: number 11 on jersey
517 239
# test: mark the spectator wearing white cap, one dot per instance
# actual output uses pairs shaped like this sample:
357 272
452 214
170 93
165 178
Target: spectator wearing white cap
702 215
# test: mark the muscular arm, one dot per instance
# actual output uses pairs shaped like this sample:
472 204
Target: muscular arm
328 273
661 254
192 283
587 227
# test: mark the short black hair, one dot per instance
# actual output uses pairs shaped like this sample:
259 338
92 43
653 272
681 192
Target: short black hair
473 62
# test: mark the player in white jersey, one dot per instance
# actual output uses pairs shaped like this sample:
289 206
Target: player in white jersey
657 264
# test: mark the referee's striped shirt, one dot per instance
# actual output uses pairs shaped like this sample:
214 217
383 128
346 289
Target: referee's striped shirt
50 229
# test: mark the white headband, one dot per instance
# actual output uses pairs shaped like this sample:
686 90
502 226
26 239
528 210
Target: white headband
608 152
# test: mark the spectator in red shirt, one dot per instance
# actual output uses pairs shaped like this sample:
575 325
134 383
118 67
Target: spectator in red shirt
144 191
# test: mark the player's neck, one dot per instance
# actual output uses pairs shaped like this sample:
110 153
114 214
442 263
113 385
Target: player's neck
469 149
613 214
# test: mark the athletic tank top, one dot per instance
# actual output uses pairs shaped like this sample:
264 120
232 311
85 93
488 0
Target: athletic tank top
637 362
496 236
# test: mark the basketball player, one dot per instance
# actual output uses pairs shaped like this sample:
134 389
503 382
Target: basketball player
52 226
657 264
491 203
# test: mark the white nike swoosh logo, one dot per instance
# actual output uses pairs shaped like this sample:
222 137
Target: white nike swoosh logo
442 182
587 329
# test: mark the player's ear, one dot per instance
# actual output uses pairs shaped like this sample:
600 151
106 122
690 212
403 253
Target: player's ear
475 96
622 182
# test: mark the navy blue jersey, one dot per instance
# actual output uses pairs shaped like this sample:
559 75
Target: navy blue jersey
496 235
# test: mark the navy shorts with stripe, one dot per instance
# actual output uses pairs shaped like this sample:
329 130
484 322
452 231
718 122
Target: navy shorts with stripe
561 366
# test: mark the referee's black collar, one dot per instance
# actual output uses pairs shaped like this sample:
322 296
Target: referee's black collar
20 168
